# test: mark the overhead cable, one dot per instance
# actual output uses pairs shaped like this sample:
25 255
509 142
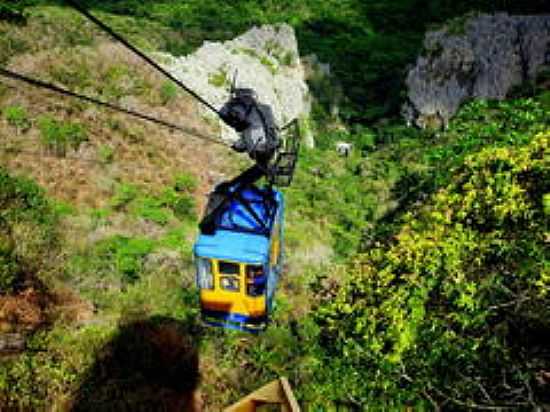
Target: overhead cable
51 87
126 43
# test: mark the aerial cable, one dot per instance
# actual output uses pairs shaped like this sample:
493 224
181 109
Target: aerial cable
121 39
51 87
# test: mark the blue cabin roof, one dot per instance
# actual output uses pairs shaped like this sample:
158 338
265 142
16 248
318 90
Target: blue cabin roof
239 237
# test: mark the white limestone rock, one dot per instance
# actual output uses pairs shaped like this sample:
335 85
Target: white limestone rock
266 59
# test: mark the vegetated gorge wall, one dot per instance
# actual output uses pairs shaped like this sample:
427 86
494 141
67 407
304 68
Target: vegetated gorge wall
265 59
484 56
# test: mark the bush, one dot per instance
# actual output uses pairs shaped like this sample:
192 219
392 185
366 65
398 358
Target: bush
152 209
126 254
106 154
168 92
460 301
17 117
22 199
10 273
57 136
158 208
12 11
27 230
182 204
219 79
124 195
185 182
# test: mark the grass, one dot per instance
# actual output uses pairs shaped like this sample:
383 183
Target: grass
219 79
266 61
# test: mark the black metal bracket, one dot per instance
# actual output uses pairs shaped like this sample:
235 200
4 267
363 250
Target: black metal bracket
228 192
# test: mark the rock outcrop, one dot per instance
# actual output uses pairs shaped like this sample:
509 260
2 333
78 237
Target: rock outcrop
480 57
265 58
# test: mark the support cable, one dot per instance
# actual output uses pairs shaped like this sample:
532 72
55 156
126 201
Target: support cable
125 42
51 87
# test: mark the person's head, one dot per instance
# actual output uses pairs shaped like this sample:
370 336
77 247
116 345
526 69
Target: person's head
149 365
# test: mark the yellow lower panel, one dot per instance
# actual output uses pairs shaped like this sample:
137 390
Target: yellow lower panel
233 303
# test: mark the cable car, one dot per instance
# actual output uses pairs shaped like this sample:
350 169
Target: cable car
239 263
239 250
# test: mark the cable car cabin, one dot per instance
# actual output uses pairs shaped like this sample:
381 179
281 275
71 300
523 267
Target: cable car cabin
239 262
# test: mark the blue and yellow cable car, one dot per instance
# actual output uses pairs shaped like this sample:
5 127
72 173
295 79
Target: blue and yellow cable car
239 260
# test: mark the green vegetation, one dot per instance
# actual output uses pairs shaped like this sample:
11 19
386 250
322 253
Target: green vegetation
417 267
185 182
366 43
219 79
266 61
106 154
17 117
333 193
173 201
168 92
27 231
461 286
57 135
10 273
124 254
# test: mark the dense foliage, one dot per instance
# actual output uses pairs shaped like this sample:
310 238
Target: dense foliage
447 303
367 43
27 230
455 307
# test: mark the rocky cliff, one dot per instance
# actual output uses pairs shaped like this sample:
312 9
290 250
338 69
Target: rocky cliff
264 58
478 57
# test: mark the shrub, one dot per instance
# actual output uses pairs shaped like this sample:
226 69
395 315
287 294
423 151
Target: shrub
219 79
184 207
106 154
459 301
10 272
125 254
168 92
12 12
152 209
17 117
185 182
125 193
57 136
27 230
181 204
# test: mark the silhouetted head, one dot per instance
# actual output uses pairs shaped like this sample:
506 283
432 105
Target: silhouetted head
150 365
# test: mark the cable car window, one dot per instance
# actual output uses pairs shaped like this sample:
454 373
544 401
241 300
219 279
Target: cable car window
255 280
228 268
230 283
205 279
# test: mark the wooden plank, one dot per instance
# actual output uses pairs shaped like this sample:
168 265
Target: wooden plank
289 395
275 392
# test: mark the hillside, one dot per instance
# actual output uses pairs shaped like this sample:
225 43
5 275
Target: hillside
416 269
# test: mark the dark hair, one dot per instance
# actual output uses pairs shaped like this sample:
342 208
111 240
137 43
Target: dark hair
150 365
